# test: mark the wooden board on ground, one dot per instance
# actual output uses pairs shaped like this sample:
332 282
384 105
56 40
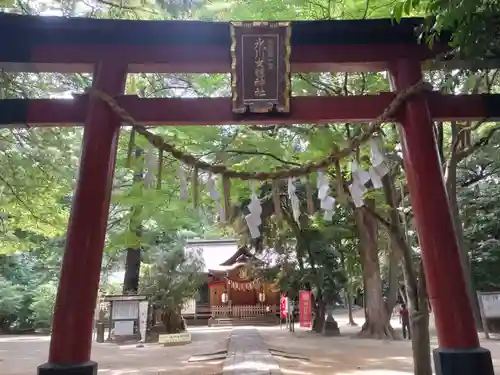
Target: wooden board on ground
174 339
222 354
288 355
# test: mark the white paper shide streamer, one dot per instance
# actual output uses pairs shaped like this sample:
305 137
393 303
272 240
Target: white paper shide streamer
327 202
357 189
379 167
150 163
215 196
360 177
253 219
294 200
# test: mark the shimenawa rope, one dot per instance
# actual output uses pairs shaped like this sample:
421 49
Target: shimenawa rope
303 170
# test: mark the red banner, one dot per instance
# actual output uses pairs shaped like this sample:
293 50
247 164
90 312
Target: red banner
305 309
283 306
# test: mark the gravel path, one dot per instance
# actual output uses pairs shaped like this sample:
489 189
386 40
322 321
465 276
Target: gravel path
347 354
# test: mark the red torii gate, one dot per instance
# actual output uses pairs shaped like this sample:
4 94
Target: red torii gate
112 48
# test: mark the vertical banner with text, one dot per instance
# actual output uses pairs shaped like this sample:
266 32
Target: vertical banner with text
305 308
260 69
283 306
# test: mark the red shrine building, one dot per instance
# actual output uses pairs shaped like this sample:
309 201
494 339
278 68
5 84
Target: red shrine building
111 49
233 289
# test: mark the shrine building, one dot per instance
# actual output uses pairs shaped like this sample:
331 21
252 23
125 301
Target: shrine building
233 289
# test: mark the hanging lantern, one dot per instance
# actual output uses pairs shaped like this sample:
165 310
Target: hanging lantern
262 296
224 297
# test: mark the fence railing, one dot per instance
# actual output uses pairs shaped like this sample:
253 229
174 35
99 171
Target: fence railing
243 311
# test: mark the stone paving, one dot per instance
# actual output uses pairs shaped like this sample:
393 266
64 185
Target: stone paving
248 355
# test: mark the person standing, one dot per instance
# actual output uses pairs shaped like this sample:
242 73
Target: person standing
404 319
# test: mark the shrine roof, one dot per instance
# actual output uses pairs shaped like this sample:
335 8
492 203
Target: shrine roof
39 30
222 255
214 252
242 255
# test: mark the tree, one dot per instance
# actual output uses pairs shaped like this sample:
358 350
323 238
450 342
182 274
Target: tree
43 305
415 283
477 196
173 278
354 274
11 300
377 320
472 24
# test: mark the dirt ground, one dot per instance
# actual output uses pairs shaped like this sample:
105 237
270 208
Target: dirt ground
20 355
345 355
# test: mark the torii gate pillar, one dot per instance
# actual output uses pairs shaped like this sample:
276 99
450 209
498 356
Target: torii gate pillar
71 338
459 352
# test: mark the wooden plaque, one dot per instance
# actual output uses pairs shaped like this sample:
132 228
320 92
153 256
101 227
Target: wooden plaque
260 69
173 339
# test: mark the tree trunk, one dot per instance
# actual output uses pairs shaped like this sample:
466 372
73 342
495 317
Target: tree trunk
5 325
415 289
319 321
420 341
440 140
451 189
364 297
172 322
133 260
349 310
394 273
377 324
132 269
348 297
165 317
419 312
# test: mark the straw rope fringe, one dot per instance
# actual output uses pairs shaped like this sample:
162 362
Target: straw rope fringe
303 170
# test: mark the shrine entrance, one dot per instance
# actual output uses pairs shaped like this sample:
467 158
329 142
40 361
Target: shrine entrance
262 55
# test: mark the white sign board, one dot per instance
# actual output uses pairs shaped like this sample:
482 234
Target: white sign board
125 310
143 319
124 328
491 305
125 298
175 338
189 307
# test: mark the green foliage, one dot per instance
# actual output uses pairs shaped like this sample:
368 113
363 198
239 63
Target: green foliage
479 194
11 301
171 278
43 305
473 24
29 273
